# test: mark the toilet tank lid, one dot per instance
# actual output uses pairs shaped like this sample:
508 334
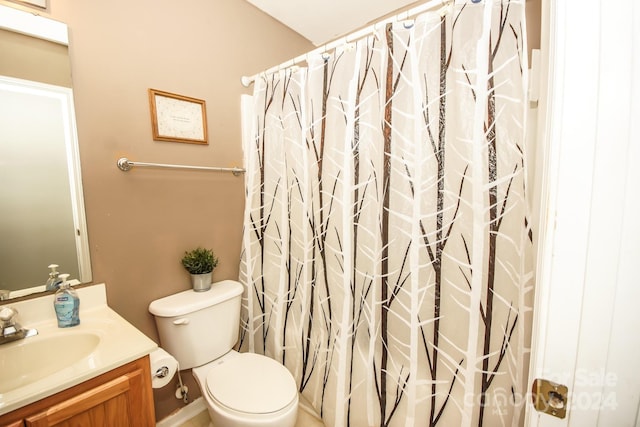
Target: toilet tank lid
190 301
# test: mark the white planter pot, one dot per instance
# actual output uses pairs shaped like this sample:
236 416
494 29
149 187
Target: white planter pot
201 282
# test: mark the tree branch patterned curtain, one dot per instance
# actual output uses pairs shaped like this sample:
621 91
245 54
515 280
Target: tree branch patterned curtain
387 252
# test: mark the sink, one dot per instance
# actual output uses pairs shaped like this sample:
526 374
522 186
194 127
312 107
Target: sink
31 359
56 359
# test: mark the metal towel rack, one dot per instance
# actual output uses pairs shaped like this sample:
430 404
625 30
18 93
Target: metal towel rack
125 165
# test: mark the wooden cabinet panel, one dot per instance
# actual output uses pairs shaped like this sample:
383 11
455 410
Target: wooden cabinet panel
120 398
78 410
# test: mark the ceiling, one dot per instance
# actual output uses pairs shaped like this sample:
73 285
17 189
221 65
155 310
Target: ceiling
321 21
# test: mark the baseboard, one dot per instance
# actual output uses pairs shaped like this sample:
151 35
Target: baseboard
183 415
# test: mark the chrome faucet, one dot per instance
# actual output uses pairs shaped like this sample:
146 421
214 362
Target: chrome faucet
10 329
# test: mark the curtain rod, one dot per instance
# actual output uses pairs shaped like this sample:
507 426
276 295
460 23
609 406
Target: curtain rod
246 81
125 165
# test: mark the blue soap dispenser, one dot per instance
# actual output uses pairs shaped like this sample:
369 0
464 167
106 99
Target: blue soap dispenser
66 304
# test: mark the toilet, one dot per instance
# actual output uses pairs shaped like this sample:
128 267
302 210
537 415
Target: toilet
240 389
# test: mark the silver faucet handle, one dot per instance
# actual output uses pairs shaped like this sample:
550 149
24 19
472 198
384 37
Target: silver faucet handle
8 326
7 314
10 329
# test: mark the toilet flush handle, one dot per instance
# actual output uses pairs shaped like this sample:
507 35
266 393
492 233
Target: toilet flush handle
183 321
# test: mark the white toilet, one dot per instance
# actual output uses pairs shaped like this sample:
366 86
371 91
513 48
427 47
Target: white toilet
240 389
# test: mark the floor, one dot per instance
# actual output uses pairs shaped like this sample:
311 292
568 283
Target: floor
305 419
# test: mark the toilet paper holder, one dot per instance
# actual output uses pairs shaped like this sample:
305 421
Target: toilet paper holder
161 372
163 367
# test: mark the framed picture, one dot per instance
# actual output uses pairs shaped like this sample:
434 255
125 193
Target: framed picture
178 118
36 4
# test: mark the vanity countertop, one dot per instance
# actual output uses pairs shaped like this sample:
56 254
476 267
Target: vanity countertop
103 341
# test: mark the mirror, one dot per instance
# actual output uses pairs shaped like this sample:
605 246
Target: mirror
42 217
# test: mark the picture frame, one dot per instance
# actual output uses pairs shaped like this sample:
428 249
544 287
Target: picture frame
42 5
178 118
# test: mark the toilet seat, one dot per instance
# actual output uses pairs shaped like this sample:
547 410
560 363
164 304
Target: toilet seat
252 384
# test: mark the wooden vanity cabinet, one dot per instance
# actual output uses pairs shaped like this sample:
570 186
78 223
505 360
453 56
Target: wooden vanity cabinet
119 398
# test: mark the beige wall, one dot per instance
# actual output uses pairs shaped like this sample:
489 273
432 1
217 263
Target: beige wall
141 222
534 21
23 56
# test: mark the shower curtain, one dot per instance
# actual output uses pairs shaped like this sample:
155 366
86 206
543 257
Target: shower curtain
386 250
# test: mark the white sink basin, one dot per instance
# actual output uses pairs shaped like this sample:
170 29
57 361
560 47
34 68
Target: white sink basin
58 358
34 358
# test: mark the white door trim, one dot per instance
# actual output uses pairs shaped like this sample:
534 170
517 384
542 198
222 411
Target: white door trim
589 245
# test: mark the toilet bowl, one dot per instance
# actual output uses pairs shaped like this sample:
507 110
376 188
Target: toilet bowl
239 389
246 389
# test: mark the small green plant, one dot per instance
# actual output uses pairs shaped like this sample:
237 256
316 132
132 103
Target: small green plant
199 261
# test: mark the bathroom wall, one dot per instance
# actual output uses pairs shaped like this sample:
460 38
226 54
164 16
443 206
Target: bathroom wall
22 57
141 222
534 19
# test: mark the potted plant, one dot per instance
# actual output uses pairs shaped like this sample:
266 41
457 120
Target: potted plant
200 263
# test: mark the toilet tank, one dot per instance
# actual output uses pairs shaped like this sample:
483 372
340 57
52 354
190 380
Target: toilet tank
198 327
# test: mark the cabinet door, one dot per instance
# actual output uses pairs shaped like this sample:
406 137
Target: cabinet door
112 404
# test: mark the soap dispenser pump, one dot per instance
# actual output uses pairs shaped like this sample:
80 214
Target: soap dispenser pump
54 278
66 304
